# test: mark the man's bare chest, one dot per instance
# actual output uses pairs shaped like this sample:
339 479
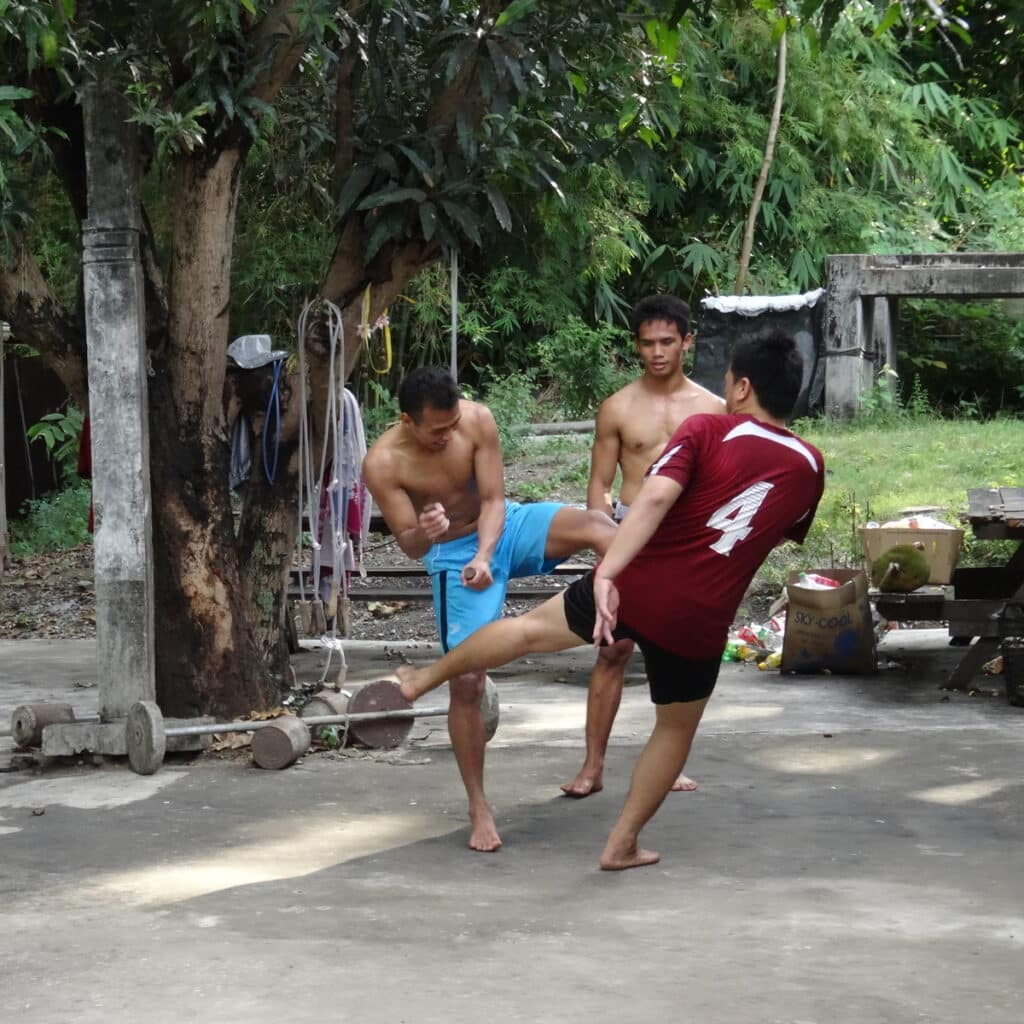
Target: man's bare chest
438 476
646 427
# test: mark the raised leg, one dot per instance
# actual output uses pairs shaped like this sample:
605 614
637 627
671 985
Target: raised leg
657 767
543 629
578 529
466 729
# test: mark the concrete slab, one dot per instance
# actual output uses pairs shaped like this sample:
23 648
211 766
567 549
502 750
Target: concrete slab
852 855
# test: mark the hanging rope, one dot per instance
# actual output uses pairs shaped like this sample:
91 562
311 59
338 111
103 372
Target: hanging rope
272 422
383 321
326 502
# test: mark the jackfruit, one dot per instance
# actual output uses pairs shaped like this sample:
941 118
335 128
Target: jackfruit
901 569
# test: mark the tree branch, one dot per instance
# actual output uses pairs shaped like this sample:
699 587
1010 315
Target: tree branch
766 163
344 105
278 35
38 319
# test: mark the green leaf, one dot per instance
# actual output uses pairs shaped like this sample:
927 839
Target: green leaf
225 100
353 188
249 6
500 207
10 93
419 163
428 220
578 82
380 234
629 113
465 218
891 16
386 197
515 11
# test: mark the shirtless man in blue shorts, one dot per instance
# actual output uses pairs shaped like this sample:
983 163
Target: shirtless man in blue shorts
437 478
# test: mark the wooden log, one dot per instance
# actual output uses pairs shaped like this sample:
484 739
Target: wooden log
281 743
29 720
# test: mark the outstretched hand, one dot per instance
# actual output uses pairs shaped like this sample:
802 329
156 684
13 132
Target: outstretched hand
606 601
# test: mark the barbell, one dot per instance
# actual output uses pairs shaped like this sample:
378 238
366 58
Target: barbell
375 714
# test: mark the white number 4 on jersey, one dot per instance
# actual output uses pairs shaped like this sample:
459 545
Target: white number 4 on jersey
733 518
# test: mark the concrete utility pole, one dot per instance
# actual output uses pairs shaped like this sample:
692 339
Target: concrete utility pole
118 406
115 335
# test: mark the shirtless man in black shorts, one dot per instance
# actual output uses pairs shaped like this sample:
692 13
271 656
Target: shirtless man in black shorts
630 432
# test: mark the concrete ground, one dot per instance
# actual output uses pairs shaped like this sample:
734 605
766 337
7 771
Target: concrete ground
853 856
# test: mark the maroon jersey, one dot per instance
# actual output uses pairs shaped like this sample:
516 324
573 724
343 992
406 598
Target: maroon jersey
746 486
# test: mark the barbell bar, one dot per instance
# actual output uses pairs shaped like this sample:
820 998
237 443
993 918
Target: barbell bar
147 735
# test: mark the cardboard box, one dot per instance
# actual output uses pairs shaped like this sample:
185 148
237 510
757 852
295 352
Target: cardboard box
829 629
941 547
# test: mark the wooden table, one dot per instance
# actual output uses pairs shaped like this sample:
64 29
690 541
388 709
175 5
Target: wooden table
988 603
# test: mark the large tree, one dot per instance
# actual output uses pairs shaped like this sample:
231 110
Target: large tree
414 120
404 131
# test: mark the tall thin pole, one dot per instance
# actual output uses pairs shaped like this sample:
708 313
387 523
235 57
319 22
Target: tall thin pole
455 314
115 336
4 540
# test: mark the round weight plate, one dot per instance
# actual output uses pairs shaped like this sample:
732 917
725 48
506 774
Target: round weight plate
323 704
147 742
490 709
382 695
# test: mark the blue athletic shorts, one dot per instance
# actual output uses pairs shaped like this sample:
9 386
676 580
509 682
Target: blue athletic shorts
520 552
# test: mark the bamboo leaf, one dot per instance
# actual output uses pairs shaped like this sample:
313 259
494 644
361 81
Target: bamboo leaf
516 11
387 197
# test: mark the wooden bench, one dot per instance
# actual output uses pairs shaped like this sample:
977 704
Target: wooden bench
988 603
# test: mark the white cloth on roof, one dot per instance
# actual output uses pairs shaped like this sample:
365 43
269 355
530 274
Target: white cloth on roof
755 305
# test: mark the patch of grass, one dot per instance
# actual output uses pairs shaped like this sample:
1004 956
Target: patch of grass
873 472
53 523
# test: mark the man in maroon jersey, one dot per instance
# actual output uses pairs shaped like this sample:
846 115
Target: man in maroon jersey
726 490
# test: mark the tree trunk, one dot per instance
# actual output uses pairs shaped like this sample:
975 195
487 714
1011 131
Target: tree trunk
766 163
208 660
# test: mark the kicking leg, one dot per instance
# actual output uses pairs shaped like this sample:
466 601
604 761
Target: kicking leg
577 529
541 630
466 729
656 769
603 695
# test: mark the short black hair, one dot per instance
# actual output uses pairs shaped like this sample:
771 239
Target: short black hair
427 385
775 368
660 307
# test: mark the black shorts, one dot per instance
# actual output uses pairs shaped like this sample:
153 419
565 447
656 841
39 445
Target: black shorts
673 679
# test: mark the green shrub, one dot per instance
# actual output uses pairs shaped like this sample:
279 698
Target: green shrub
60 432
380 410
585 364
513 405
52 523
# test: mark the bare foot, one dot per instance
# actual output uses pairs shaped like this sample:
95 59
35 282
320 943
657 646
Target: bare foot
410 682
616 859
583 785
684 784
484 837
